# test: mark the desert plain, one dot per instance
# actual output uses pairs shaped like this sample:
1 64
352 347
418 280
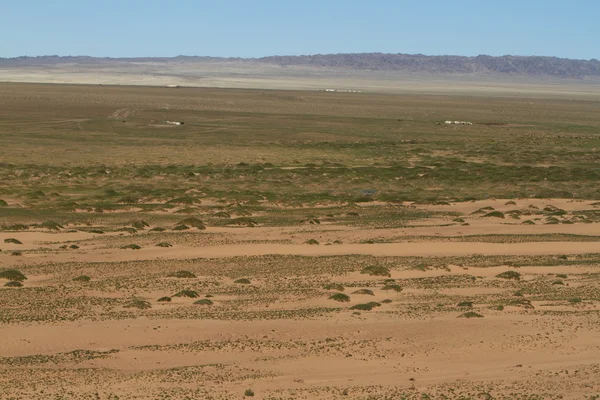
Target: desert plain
298 244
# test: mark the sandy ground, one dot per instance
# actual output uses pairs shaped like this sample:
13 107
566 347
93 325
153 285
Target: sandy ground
283 337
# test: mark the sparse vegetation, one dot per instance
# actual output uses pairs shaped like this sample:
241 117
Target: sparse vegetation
341 297
334 286
13 275
509 275
364 291
394 287
242 281
187 293
204 302
376 270
13 241
132 246
138 303
82 278
365 307
182 275
470 314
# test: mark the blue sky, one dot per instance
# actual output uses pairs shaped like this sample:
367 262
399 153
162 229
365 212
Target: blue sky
131 28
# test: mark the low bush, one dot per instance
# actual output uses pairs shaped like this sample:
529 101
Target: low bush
509 275
131 247
341 297
187 293
470 314
13 275
376 270
365 307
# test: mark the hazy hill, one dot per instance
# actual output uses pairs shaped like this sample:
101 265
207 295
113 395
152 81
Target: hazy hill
524 66
516 65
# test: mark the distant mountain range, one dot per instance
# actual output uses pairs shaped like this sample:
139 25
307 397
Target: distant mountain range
528 66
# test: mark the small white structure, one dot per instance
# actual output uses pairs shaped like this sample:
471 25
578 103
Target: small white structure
458 123
173 86
173 123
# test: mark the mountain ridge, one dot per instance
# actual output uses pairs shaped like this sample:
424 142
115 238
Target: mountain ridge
507 65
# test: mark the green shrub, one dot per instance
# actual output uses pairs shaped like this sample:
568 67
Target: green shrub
165 299
204 302
386 301
164 244
131 246
563 276
138 303
187 293
181 228
376 270
74 247
82 278
249 393
334 286
15 227
365 307
395 288
99 232
312 241
470 314
524 303
157 229
242 281
341 297
185 201
140 224
3 203
509 275
364 291
13 241
563 257
13 284
528 222
558 282
222 214
467 304
495 214
54 226
575 300
13 275
193 222
181 274
127 229
243 221
16 253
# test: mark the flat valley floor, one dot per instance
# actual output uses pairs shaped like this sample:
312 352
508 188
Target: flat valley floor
297 245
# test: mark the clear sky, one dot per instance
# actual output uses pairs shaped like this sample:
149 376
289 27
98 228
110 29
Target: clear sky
256 28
